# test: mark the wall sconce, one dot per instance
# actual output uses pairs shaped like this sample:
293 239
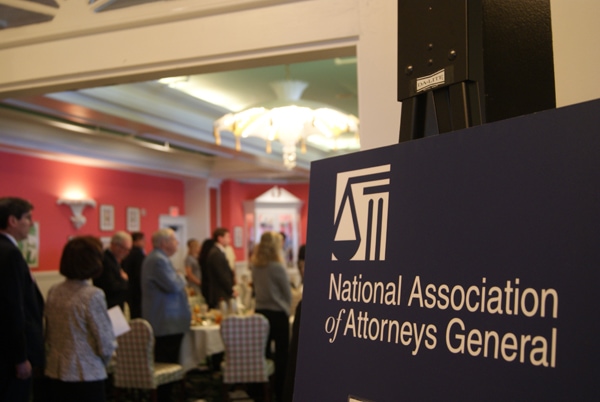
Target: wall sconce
77 207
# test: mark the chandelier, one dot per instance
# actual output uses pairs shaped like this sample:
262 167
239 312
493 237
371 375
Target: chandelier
288 120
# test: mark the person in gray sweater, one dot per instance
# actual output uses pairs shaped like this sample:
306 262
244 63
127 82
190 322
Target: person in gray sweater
273 300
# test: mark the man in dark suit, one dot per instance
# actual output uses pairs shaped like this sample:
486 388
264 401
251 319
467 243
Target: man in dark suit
132 264
21 306
220 275
113 279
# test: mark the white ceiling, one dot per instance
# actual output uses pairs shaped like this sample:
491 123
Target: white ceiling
153 111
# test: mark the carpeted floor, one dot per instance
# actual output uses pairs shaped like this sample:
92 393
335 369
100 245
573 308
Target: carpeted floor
205 385
201 385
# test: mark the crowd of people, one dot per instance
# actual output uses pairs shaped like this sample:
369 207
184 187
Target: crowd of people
59 350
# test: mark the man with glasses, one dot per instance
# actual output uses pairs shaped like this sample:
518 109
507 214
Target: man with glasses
113 279
21 308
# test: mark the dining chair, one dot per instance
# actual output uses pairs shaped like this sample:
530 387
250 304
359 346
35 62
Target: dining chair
135 367
245 339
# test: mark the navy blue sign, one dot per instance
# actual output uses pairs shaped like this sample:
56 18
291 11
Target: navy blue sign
459 267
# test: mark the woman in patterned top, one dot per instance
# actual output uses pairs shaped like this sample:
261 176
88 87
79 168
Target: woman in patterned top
79 335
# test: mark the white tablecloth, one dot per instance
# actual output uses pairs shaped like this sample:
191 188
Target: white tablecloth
198 343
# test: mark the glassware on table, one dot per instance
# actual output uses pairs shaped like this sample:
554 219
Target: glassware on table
218 317
233 307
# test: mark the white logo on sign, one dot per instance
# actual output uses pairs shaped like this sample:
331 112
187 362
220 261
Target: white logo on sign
361 214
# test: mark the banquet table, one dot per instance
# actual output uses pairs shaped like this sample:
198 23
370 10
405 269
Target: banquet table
200 342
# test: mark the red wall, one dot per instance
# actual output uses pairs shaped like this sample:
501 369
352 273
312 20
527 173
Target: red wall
233 194
43 182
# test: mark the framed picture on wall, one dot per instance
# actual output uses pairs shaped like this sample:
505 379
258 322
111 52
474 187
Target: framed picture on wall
237 237
133 219
107 217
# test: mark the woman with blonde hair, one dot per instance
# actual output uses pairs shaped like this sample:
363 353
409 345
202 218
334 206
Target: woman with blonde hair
273 299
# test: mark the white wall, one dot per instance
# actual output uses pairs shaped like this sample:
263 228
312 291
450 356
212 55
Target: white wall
377 49
576 38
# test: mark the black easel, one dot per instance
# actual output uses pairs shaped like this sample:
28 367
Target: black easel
462 63
453 107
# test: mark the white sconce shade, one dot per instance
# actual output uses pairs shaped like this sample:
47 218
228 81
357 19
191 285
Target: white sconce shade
77 207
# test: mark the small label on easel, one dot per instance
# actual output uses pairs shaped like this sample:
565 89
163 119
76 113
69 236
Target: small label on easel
431 81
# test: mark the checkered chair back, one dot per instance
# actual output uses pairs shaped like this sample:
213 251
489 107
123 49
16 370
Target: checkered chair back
245 340
134 363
